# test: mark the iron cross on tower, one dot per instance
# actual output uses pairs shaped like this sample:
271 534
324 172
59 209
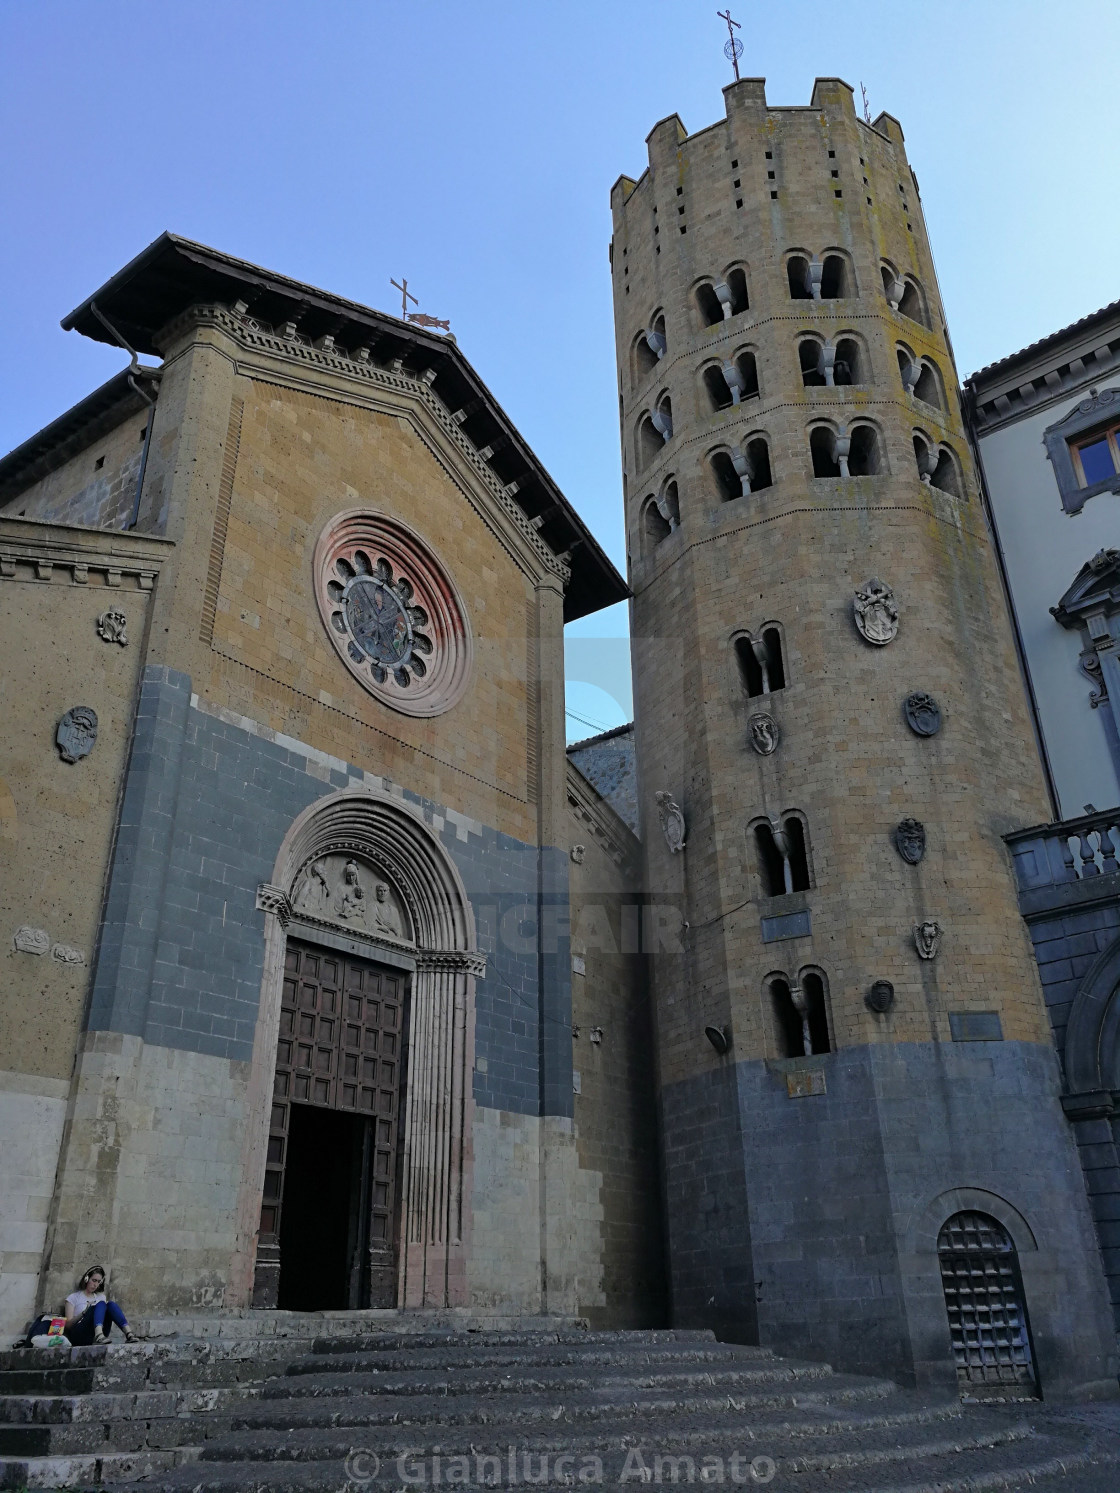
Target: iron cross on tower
732 47
406 296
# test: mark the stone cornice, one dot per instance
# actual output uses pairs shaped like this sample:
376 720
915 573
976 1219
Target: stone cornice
368 381
31 550
610 832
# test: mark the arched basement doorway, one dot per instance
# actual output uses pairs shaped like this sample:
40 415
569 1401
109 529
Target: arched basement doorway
366 1041
986 1307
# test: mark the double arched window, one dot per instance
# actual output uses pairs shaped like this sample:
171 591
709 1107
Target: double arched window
938 465
731 381
904 294
829 277
800 1014
782 853
720 300
649 347
741 470
852 452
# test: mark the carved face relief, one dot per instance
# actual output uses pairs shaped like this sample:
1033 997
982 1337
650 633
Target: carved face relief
111 626
923 714
76 734
392 613
764 733
342 889
927 938
876 612
880 998
910 840
578 852
672 822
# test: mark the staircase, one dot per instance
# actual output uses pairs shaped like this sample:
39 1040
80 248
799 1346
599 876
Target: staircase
280 1402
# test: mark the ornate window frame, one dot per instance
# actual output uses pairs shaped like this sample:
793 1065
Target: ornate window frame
1100 408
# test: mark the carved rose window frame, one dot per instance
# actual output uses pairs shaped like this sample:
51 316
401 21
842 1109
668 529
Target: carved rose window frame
392 613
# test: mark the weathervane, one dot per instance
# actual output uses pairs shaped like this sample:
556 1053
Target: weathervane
732 47
419 318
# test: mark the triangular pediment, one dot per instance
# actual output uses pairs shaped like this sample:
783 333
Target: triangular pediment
1096 588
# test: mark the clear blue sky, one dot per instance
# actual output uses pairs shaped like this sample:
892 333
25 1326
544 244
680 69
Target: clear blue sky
472 146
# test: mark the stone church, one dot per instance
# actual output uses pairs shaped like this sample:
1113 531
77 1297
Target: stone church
332 980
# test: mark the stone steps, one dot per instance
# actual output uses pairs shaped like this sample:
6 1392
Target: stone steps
279 1411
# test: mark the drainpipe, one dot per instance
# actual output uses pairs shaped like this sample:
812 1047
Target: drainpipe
136 369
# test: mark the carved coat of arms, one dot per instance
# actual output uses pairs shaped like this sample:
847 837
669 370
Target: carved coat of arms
764 733
927 938
76 734
672 821
876 612
910 840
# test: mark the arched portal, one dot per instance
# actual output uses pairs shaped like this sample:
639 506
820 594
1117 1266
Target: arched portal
986 1307
367 1010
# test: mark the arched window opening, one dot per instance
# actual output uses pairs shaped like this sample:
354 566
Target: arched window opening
946 474
720 396
645 359
788 1031
912 303
928 386
761 666
797 272
863 456
986 1306
809 356
737 285
656 338
783 862
668 505
655 526
650 441
849 366
758 465
748 375
708 304
822 448
925 458
893 287
836 280
800 1012
729 483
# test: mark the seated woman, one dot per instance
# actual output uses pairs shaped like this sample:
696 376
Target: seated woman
89 1316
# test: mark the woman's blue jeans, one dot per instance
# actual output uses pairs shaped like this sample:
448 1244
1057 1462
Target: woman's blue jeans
103 1315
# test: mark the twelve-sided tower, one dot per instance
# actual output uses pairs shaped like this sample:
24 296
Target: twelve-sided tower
865 1155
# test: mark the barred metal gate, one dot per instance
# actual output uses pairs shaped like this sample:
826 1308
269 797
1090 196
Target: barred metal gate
987 1311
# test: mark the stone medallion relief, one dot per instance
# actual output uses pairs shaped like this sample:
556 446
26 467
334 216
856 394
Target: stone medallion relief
672 821
764 733
349 891
392 613
922 712
111 627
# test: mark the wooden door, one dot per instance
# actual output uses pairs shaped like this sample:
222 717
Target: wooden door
342 1046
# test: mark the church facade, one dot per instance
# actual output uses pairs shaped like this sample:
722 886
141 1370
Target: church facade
292 837
333 980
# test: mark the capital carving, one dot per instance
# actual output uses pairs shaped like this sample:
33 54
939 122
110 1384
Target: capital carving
274 899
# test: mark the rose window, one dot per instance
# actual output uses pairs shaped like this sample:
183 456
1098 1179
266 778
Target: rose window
392 613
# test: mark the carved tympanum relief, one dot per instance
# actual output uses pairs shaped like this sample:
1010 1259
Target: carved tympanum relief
876 612
76 734
111 626
672 821
392 613
344 889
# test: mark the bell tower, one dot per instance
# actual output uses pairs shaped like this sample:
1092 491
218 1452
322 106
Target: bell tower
854 1057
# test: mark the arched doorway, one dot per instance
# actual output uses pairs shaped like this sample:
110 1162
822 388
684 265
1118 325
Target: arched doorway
357 1169
986 1307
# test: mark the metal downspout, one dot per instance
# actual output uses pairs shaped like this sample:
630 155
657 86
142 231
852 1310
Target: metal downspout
136 368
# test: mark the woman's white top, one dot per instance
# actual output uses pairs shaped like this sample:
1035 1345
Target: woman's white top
81 1302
